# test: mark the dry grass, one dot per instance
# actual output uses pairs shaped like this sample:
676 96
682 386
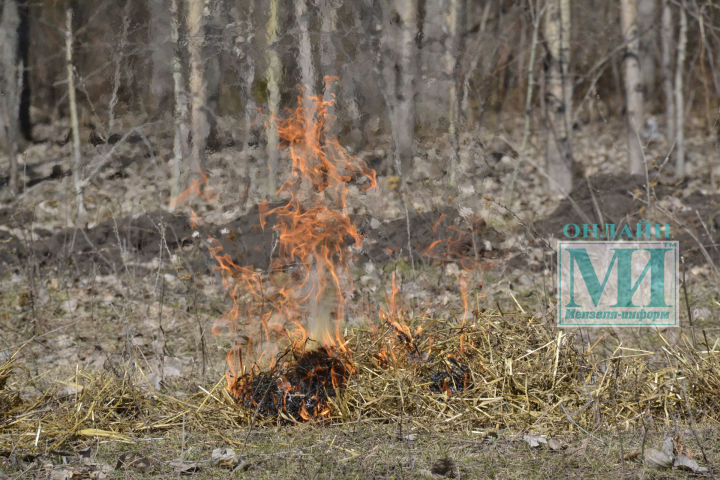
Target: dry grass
497 371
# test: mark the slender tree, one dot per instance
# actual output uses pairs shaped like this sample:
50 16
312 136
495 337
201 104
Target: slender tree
679 100
273 75
11 77
78 180
161 45
399 70
199 124
455 15
328 56
248 75
180 138
558 96
633 84
305 61
666 34
647 30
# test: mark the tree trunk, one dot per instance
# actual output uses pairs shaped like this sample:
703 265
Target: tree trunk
328 57
11 77
24 57
350 81
199 124
307 78
180 141
273 80
647 29
399 70
679 101
633 85
455 15
666 34
161 47
78 179
305 61
248 76
558 96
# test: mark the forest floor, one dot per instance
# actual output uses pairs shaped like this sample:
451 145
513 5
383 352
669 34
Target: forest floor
133 295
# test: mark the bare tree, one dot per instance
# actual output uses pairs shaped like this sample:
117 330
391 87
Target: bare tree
537 14
398 64
647 29
11 78
399 67
558 95
305 61
666 34
455 15
78 180
180 140
161 46
328 56
679 101
199 123
248 74
273 80
633 84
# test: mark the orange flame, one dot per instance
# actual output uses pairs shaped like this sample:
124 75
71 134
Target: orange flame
303 298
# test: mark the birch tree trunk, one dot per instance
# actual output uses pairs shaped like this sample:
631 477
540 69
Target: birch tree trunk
558 96
633 84
399 70
11 77
248 76
77 170
666 34
455 14
180 141
679 100
199 124
305 61
273 79
307 78
328 56
398 65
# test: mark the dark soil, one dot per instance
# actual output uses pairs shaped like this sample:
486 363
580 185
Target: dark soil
128 243
605 199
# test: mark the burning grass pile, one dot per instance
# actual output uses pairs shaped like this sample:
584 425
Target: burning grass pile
497 371
297 389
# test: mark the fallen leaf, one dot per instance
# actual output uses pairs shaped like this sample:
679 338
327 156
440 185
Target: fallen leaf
668 447
657 459
224 457
185 468
684 463
534 440
631 455
554 444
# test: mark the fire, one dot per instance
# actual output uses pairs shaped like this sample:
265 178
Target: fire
290 354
